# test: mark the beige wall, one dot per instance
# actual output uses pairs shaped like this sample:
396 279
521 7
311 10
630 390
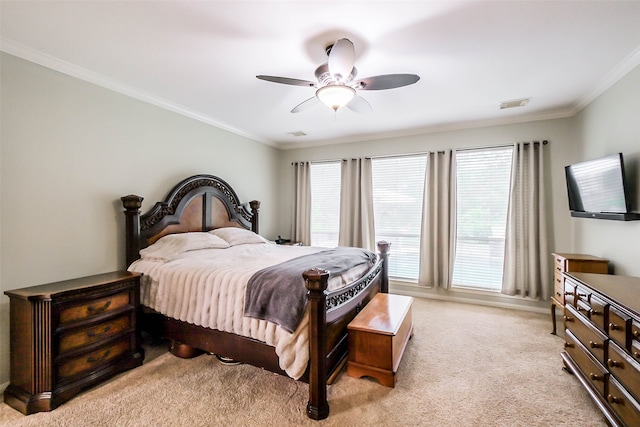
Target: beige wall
611 124
70 149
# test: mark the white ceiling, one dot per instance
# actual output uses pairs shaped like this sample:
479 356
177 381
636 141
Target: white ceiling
200 58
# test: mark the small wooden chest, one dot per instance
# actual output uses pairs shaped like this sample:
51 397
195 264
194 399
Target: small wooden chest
378 336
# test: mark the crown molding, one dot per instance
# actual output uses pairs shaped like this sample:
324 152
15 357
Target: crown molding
56 64
622 69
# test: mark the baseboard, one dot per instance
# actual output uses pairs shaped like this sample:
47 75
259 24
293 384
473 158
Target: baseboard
3 387
490 299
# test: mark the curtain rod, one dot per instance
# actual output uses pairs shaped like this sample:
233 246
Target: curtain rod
544 142
419 153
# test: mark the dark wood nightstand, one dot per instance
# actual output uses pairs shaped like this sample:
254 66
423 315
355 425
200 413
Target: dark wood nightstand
70 335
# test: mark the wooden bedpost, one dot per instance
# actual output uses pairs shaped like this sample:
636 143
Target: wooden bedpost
316 281
383 248
255 206
132 205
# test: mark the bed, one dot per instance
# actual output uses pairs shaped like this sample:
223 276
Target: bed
207 204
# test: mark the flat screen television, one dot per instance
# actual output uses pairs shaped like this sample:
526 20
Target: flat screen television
597 189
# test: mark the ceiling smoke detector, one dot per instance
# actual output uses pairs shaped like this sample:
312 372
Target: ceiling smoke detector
515 103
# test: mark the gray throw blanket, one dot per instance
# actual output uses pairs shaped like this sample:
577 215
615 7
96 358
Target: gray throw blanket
278 293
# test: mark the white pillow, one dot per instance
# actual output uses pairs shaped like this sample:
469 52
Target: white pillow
238 236
168 247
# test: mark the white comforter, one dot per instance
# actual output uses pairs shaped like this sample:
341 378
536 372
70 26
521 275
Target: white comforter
207 288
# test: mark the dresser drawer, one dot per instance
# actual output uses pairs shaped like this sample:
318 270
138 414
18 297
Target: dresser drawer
569 293
79 337
582 295
590 336
635 351
635 331
597 313
619 328
95 307
71 367
624 368
623 404
592 369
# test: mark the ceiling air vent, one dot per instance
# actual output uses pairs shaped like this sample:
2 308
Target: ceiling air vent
515 103
297 133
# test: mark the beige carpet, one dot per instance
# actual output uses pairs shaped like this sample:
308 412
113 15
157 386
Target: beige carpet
466 366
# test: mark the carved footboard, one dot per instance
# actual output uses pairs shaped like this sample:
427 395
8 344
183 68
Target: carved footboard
329 317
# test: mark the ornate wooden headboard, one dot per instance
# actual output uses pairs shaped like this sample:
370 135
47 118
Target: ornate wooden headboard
198 203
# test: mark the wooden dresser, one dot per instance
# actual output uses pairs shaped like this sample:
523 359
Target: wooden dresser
602 348
70 335
564 263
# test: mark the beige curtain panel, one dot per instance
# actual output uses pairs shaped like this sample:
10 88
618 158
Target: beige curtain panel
526 253
301 215
356 205
437 240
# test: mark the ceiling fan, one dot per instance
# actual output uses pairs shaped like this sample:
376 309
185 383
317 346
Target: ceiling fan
336 86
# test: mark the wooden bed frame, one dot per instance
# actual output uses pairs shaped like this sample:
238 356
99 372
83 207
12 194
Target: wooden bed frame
206 202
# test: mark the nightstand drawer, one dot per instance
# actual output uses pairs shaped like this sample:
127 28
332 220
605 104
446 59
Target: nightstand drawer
74 339
91 361
93 308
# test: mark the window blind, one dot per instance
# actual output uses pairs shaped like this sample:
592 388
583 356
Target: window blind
398 188
325 203
482 188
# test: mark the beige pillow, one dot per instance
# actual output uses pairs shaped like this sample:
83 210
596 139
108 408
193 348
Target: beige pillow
238 236
168 247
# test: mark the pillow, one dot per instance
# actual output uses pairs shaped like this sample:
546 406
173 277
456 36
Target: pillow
168 247
238 236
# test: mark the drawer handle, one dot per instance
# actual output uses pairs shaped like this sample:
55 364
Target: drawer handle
636 355
595 377
98 359
567 319
594 344
613 399
567 345
568 293
99 309
93 334
614 363
636 334
615 327
582 295
595 312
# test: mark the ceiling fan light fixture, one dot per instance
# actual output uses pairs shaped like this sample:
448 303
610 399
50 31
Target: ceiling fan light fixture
335 96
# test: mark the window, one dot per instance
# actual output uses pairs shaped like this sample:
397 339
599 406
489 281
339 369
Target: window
325 204
482 186
398 188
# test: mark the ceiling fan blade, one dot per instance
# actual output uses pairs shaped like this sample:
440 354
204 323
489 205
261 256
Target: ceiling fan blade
305 104
341 59
288 81
386 81
359 105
